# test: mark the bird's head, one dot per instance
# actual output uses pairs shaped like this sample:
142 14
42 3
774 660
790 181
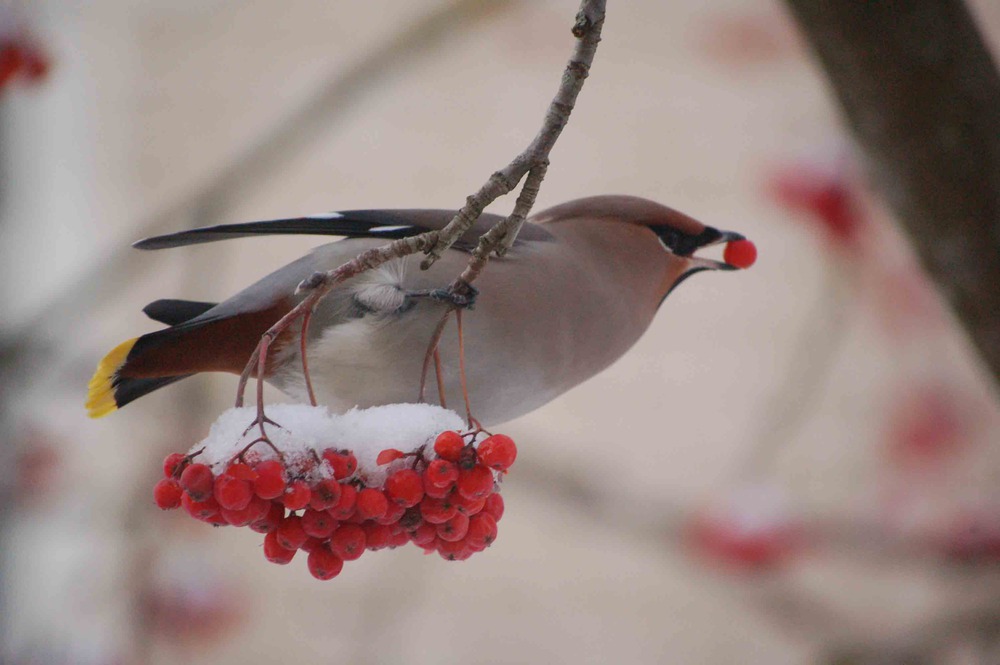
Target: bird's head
677 235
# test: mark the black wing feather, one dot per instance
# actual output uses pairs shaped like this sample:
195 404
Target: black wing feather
354 224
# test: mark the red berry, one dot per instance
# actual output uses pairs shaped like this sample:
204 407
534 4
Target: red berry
393 513
482 531
399 539
241 471
297 495
498 452
324 564
274 551
312 543
254 511
174 464
270 482
448 445
740 253
465 506
11 60
452 550
424 535
434 491
318 524
454 529
325 494
348 542
275 514
389 455
437 511
343 464
475 483
290 533
232 493
344 508
198 481
371 503
377 536
167 494
441 473
200 510
405 487
494 506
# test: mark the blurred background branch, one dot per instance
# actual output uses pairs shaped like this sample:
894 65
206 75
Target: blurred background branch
922 96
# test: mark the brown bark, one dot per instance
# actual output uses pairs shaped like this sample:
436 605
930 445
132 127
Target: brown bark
922 95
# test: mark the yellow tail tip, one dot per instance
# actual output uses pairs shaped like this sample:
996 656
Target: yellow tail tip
101 391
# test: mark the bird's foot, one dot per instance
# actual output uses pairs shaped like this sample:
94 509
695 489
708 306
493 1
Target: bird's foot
460 296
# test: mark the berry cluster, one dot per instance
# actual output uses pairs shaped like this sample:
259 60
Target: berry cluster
21 58
445 501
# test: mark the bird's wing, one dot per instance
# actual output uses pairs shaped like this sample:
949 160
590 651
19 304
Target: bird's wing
387 224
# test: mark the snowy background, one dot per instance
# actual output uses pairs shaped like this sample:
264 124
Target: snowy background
796 464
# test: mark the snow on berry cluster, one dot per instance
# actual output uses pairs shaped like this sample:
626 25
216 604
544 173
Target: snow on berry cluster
338 486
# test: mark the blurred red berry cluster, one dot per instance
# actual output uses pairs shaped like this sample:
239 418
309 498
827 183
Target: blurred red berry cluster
22 58
445 502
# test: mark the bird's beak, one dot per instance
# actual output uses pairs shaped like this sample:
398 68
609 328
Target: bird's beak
721 238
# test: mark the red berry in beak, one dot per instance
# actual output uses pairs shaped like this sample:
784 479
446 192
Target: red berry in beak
740 254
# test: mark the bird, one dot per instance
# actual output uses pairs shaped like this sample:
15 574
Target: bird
579 286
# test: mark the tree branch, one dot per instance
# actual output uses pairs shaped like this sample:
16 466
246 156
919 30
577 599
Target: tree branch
922 96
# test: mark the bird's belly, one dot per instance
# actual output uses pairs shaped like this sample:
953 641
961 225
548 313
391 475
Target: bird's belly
379 360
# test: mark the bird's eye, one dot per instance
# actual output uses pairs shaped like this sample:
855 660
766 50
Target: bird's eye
684 244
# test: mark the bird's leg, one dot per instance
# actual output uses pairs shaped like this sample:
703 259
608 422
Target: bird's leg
305 359
461 368
460 295
261 419
432 354
439 375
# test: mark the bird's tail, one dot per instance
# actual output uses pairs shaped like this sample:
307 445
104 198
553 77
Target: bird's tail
109 389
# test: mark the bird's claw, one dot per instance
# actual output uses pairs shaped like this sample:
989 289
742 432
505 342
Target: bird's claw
463 297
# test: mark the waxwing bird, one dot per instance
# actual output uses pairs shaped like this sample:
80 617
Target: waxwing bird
578 288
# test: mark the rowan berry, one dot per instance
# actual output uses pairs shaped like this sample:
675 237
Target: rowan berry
343 464
437 511
270 521
324 564
475 483
167 494
377 536
441 473
448 445
371 503
740 253
297 495
494 506
174 464
198 481
432 490
399 539
344 508
454 529
318 524
290 533
348 542
405 487
424 535
241 471
232 493
393 513
498 452
466 506
270 481
274 551
482 531
199 510
325 494
452 550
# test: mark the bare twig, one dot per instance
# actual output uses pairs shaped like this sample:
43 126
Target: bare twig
587 29
532 161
